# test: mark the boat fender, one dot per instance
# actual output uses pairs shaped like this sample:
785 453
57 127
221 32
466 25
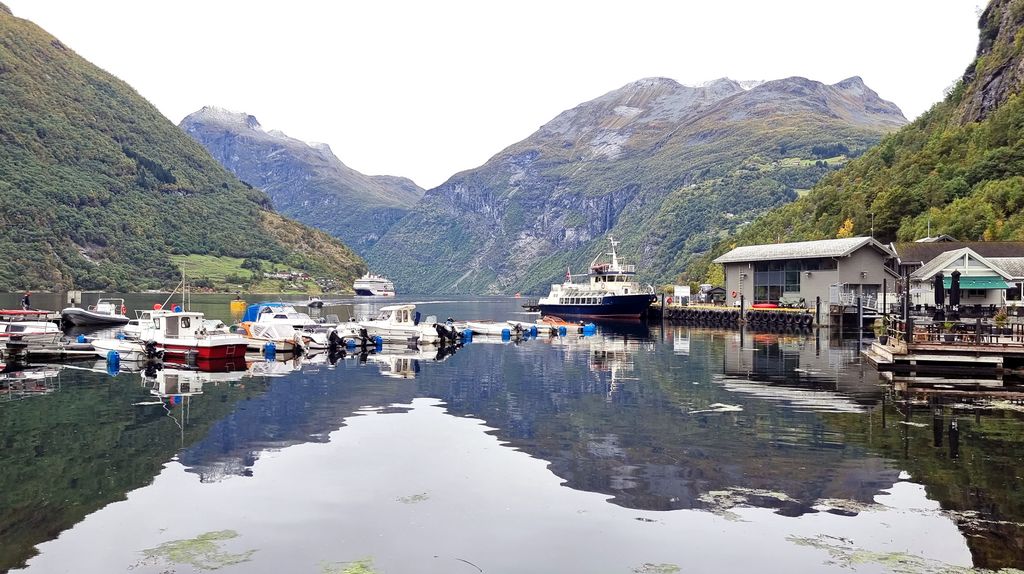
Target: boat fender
350 343
124 309
467 335
533 330
378 341
506 334
562 331
80 339
113 357
119 336
269 350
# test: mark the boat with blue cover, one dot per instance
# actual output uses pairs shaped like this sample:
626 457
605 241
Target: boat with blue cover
612 292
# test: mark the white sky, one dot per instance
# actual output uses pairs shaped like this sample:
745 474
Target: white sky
425 89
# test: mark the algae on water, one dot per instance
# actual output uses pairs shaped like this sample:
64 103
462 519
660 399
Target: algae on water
843 553
649 568
364 566
203 552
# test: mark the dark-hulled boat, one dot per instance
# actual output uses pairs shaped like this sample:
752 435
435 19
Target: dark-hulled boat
611 292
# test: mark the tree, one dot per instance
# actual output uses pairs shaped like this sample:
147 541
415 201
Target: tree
846 229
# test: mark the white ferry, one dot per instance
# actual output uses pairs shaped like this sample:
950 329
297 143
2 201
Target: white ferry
611 292
371 285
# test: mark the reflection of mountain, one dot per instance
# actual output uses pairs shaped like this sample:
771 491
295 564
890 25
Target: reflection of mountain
72 452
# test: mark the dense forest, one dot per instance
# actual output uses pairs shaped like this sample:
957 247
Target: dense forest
98 189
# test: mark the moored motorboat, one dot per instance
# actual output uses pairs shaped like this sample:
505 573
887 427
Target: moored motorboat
314 302
285 339
611 292
185 333
277 313
403 321
104 312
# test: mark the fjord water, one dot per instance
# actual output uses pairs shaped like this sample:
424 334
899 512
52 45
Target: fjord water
644 448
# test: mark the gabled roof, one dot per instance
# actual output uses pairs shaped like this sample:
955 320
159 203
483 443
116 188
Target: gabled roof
801 250
946 259
919 253
1013 266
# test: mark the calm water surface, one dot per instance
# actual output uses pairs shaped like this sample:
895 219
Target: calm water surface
643 449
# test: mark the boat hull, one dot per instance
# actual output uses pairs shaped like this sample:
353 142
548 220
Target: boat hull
206 352
364 292
612 306
84 317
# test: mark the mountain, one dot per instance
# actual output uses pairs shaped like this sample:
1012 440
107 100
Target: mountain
304 181
665 168
98 190
956 170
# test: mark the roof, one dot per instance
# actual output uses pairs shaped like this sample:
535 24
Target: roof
800 250
920 253
945 259
1014 266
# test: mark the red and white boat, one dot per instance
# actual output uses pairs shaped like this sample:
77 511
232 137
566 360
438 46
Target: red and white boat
186 334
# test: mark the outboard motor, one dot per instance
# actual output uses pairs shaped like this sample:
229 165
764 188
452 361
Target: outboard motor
416 318
334 341
152 352
364 338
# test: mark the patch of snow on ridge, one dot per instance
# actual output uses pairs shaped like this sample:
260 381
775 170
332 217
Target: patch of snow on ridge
749 84
226 116
628 111
608 144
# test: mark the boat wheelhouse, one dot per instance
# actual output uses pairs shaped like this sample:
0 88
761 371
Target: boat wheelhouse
611 292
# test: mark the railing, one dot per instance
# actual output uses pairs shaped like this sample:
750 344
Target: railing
849 299
975 333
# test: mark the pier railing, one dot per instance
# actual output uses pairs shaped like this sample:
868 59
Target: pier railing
916 331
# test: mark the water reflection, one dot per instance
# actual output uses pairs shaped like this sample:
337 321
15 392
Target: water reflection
652 418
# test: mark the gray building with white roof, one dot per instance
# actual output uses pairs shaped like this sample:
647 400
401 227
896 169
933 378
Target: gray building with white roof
768 274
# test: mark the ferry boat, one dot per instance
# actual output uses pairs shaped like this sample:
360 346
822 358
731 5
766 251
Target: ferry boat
371 285
612 292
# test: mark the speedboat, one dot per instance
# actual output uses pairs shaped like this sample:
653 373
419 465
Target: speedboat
285 339
611 292
403 321
277 313
371 285
126 349
314 302
104 312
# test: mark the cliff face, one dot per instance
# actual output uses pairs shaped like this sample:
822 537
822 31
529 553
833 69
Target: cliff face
957 170
662 166
98 190
998 70
304 181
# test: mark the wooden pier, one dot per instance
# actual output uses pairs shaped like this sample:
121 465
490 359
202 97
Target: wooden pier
973 353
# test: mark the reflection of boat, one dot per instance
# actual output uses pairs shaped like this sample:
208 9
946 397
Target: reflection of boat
405 363
612 292
371 285
104 312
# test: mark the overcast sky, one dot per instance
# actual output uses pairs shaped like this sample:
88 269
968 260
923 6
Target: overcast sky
425 89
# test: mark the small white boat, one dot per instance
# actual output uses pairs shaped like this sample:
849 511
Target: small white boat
277 313
489 327
127 349
285 339
104 312
314 302
403 322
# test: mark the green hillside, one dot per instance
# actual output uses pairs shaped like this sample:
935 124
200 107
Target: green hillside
98 189
956 170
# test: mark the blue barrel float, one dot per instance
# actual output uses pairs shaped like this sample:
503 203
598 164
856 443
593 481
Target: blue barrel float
269 350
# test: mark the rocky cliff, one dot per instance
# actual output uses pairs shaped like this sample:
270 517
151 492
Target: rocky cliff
664 167
957 170
305 181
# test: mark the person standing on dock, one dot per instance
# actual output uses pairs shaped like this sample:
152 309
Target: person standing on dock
25 304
